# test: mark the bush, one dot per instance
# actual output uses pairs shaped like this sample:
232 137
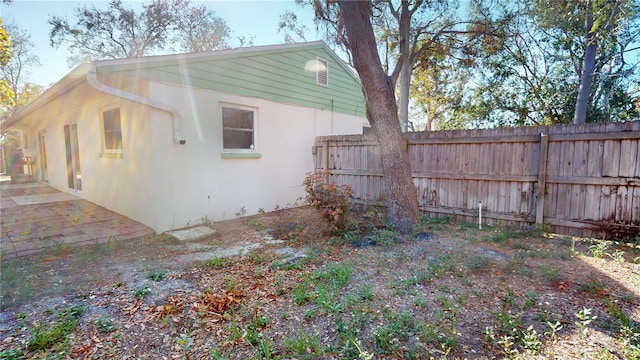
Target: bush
332 201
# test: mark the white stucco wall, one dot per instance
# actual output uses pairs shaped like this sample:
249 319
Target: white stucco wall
117 183
165 185
193 182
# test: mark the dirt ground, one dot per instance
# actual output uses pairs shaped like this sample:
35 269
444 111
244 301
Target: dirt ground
446 291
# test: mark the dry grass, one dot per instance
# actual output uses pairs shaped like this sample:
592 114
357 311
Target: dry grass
460 293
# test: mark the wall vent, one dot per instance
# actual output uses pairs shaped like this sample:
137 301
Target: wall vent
322 72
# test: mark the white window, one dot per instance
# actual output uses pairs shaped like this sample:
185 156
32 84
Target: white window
322 72
238 129
112 131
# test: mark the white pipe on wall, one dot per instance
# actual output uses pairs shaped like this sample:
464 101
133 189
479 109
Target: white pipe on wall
92 79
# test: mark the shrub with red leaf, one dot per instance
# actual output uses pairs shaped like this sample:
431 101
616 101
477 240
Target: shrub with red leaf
332 201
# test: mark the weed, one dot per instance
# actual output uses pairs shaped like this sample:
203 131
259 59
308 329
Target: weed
593 286
265 349
296 265
420 302
445 338
156 275
551 274
231 285
387 336
554 328
499 236
258 257
214 263
510 324
617 256
532 299
365 292
630 342
11 354
362 354
310 314
104 325
385 237
598 250
241 212
351 236
584 319
141 292
530 340
44 336
442 264
509 298
184 342
479 263
433 223
508 346
621 319
303 344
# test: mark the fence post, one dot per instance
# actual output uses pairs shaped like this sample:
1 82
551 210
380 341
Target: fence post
325 160
542 178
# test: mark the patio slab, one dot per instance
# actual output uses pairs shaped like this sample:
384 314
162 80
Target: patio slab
34 217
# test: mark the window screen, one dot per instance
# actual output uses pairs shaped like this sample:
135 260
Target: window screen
237 129
112 130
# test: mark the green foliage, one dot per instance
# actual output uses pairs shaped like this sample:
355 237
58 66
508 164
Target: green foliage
479 263
11 354
141 292
584 319
399 327
385 237
104 325
44 336
303 344
156 275
599 249
214 262
119 31
332 201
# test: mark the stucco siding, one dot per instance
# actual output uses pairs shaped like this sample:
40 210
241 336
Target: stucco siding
117 183
198 184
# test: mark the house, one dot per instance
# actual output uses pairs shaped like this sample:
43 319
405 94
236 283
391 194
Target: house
172 141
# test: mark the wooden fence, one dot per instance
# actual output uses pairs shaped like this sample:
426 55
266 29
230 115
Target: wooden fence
589 175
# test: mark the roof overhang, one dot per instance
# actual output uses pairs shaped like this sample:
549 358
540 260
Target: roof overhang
71 80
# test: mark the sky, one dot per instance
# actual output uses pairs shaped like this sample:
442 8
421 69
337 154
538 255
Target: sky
249 18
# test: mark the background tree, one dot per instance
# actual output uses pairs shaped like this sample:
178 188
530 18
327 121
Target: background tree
292 30
122 32
6 95
16 71
199 29
532 74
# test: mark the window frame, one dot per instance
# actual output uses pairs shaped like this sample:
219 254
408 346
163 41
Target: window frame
249 151
322 65
103 131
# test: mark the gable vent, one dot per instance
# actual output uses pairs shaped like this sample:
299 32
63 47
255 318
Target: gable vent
322 72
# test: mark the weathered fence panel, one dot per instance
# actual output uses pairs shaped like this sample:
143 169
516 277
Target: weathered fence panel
579 179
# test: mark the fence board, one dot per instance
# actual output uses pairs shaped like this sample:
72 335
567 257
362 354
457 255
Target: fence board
588 183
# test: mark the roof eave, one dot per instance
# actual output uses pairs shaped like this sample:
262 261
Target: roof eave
69 81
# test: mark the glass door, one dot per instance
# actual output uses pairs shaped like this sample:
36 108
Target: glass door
74 176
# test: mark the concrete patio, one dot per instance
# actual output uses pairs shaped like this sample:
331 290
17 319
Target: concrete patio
35 216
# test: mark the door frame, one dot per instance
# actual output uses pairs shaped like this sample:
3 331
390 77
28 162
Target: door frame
43 155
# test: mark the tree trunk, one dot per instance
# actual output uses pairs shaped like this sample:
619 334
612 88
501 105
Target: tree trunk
404 28
382 113
588 66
